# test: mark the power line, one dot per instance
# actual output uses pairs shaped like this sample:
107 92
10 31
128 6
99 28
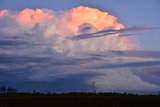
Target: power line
93 86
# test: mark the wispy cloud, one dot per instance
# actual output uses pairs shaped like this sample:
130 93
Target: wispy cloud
121 33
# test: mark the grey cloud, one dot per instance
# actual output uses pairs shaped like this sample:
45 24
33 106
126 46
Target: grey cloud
87 28
60 70
129 64
123 32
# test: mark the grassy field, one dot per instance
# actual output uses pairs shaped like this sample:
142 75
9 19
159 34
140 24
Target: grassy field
78 100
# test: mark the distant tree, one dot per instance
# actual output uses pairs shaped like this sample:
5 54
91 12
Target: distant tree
11 90
34 92
49 92
158 93
3 89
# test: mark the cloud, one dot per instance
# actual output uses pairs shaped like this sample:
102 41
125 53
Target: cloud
29 17
120 33
3 12
61 26
86 28
122 80
124 72
42 46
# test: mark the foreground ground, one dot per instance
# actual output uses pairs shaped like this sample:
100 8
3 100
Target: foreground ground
78 100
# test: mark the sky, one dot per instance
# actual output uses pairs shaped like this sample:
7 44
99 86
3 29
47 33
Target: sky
64 46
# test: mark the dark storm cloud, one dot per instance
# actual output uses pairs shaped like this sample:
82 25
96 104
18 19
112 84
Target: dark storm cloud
129 53
12 43
65 72
5 59
129 64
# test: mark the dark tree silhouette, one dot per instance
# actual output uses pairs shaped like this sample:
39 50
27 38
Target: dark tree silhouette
8 90
11 90
3 89
49 92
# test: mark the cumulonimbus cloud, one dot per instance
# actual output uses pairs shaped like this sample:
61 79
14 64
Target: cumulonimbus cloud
28 36
67 24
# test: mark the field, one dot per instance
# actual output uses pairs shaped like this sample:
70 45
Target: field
78 100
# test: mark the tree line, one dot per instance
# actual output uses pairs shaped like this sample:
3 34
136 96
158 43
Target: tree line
9 90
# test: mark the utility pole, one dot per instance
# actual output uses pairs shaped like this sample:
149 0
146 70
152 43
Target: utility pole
93 86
